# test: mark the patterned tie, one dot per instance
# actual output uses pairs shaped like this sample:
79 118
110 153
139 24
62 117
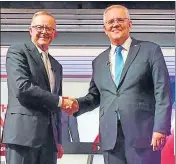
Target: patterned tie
118 64
49 71
51 78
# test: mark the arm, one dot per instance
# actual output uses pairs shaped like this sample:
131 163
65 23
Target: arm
21 83
91 100
162 89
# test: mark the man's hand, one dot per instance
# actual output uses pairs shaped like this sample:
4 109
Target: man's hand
69 105
158 141
60 151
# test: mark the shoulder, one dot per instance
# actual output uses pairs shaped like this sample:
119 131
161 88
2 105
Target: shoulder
18 47
102 55
147 44
21 47
151 50
16 51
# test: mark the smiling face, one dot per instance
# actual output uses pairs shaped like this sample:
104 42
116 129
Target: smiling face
117 25
43 37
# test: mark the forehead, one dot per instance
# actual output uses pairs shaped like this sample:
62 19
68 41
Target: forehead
116 13
44 20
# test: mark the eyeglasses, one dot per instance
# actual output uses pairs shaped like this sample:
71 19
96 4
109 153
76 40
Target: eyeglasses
111 22
41 28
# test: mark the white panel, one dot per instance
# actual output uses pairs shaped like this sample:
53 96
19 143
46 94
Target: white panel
88 51
88 121
73 159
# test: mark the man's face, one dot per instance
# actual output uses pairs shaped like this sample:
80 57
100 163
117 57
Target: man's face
117 25
43 31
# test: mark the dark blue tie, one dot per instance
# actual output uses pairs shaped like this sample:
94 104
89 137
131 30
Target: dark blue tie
118 64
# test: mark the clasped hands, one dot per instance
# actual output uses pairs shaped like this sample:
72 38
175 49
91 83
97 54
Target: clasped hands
69 105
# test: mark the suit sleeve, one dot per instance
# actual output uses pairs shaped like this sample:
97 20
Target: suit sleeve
21 85
162 89
91 100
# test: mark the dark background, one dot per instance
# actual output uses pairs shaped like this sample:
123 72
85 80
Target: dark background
88 4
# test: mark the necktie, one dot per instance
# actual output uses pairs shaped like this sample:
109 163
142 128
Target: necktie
118 68
47 64
118 64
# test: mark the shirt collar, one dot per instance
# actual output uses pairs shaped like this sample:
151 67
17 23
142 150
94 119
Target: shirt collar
126 45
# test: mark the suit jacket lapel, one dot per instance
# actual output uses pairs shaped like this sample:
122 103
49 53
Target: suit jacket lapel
54 72
107 72
36 56
134 48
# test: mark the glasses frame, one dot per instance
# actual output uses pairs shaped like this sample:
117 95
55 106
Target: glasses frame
49 30
111 22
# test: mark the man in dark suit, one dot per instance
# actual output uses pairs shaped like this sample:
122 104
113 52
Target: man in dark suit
130 82
32 130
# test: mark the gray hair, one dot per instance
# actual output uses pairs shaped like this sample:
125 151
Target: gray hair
41 13
118 7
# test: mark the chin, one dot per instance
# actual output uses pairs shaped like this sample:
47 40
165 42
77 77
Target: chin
116 37
43 42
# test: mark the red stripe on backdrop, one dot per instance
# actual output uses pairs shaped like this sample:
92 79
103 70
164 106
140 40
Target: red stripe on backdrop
1 122
3 76
167 156
2 147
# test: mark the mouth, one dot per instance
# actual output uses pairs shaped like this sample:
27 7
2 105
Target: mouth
44 38
116 31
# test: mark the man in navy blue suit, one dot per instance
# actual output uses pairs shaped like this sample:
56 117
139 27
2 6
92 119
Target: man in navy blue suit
130 83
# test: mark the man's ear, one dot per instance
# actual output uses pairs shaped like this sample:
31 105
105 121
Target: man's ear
105 30
130 24
30 31
55 34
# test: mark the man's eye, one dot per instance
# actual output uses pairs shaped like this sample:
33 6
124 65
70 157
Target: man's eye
49 28
39 27
120 20
111 21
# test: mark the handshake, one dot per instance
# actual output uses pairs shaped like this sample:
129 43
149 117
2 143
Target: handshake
69 105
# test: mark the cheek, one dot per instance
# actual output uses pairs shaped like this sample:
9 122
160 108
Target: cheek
35 36
126 28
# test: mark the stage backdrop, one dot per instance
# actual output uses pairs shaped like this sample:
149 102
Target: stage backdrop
77 73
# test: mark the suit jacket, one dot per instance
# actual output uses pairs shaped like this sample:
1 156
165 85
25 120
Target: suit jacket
143 96
69 128
30 101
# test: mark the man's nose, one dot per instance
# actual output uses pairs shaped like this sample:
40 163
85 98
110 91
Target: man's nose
44 30
116 22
